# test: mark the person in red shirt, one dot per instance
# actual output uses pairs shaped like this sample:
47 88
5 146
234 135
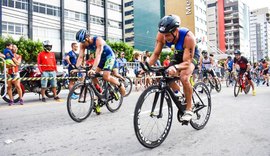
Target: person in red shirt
91 60
166 62
47 66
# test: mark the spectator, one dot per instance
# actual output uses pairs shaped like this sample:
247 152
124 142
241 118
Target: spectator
15 75
71 59
137 70
9 56
166 62
146 56
47 66
91 60
122 64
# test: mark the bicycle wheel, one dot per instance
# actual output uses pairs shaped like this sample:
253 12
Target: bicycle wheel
247 89
115 99
208 84
236 88
128 86
201 106
80 107
152 128
217 84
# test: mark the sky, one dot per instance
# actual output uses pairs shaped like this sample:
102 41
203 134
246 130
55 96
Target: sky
255 4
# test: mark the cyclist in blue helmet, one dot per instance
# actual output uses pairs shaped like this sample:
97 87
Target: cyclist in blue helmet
104 60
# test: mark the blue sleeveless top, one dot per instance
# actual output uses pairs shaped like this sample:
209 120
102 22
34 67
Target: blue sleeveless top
107 50
179 49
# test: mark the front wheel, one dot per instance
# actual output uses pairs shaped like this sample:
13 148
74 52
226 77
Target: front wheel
153 117
128 86
236 88
247 88
201 100
15 94
80 106
217 85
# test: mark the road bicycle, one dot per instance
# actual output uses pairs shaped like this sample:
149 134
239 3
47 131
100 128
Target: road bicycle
211 82
89 98
241 84
154 111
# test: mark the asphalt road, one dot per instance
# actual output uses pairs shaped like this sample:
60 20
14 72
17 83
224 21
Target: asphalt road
237 126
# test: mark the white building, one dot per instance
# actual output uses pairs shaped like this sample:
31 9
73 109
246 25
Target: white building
59 20
201 23
260 34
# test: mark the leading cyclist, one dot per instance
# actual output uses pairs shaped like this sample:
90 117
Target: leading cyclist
104 60
185 55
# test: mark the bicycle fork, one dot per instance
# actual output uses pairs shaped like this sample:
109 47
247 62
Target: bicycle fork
155 103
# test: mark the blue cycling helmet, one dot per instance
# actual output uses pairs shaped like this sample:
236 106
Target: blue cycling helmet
169 23
81 35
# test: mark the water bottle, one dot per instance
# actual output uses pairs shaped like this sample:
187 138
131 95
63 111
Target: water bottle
177 94
180 97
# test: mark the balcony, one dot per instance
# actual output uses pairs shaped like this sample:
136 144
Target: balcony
228 10
227 17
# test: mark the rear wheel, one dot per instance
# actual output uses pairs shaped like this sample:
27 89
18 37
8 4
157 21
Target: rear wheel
152 127
115 99
201 100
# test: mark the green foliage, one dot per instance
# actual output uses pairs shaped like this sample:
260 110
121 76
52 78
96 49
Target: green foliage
122 47
27 48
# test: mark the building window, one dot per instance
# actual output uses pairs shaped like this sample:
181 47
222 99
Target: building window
129 30
129 4
97 20
70 35
115 24
18 4
14 28
77 16
129 13
129 39
129 21
97 2
211 5
46 9
114 6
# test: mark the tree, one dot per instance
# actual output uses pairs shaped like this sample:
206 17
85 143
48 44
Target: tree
122 47
27 48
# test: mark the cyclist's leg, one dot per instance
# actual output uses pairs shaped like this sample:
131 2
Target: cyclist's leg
249 80
184 77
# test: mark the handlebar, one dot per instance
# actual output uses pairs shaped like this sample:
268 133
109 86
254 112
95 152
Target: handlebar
147 67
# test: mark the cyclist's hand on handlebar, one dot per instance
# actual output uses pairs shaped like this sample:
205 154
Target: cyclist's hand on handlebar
172 70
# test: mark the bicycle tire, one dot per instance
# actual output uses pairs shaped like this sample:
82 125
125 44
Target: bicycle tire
208 84
198 105
236 89
128 86
217 85
114 96
69 102
15 94
247 89
49 92
139 117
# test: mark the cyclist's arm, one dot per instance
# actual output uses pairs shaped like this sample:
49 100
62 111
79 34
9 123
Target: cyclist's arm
189 50
81 55
226 65
160 42
99 44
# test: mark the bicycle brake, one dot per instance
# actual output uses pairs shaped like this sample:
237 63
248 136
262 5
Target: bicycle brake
185 123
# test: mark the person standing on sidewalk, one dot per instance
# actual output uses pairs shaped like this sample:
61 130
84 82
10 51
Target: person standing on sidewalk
71 59
15 75
47 66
